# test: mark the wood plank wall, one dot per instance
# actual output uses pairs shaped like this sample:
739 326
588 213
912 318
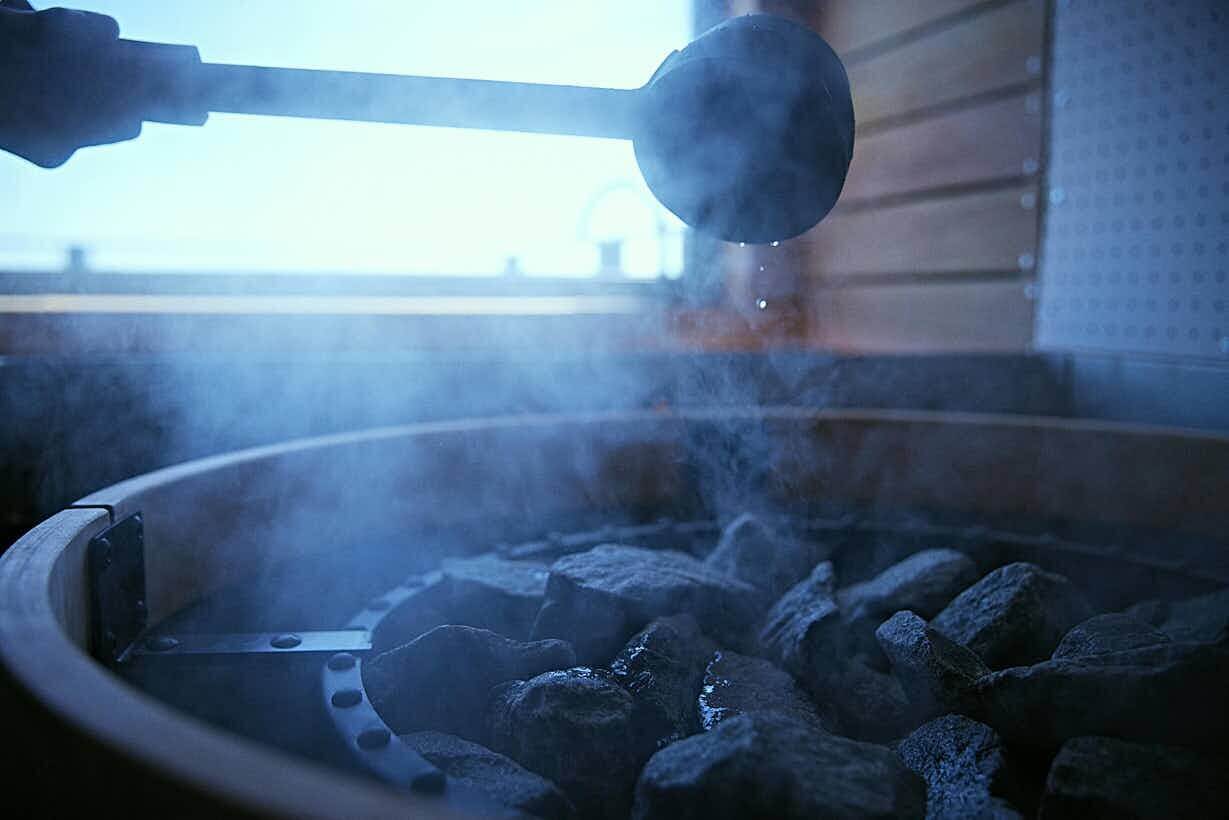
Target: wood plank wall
934 242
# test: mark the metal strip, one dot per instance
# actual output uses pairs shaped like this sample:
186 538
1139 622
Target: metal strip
255 643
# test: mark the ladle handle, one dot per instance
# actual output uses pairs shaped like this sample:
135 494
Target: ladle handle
180 88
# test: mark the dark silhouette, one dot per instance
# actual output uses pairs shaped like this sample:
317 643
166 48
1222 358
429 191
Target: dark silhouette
52 101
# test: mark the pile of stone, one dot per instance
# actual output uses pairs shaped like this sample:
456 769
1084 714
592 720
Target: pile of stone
751 681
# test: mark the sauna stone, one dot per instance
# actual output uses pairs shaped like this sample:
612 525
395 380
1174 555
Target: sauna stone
598 599
803 629
765 764
1113 632
868 704
923 583
1169 694
750 551
1202 618
663 667
1105 777
1014 616
736 684
966 769
579 728
441 679
937 674
494 593
499 778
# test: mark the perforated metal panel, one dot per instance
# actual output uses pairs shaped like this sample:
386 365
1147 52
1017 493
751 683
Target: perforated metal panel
1136 250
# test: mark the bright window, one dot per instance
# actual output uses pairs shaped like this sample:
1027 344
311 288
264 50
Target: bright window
263 194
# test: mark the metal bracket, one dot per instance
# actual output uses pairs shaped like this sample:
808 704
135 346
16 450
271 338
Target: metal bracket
115 565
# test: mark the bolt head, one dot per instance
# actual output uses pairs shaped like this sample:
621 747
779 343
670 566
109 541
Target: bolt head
161 643
285 641
376 737
342 661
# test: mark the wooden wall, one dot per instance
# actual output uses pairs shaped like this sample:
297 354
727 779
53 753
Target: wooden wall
934 242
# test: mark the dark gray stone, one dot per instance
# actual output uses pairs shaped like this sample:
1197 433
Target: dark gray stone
1104 777
1114 632
750 551
493 593
579 728
598 599
938 675
923 583
499 778
966 769
418 613
1202 618
868 704
441 680
1170 694
1014 616
736 684
663 667
767 765
803 630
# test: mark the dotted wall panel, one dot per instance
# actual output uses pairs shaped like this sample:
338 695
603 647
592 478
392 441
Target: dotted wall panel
1135 255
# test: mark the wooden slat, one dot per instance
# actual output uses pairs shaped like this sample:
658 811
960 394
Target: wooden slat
980 316
981 54
973 232
851 24
969 146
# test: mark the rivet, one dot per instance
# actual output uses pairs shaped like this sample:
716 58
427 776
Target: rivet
286 641
374 738
345 698
342 661
161 643
428 782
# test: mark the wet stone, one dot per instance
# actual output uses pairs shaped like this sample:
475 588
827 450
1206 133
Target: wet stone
938 675
923 583
495 776
752 552
1105 777
1014 616
663 668
966 769
1202 618
577 727
1170 694
736 684
803 630
441 680
767 765
493 593
1114 632
598 599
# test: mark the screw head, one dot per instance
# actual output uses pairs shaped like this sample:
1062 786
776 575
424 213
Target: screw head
161 643
345 698
342 661
286 641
